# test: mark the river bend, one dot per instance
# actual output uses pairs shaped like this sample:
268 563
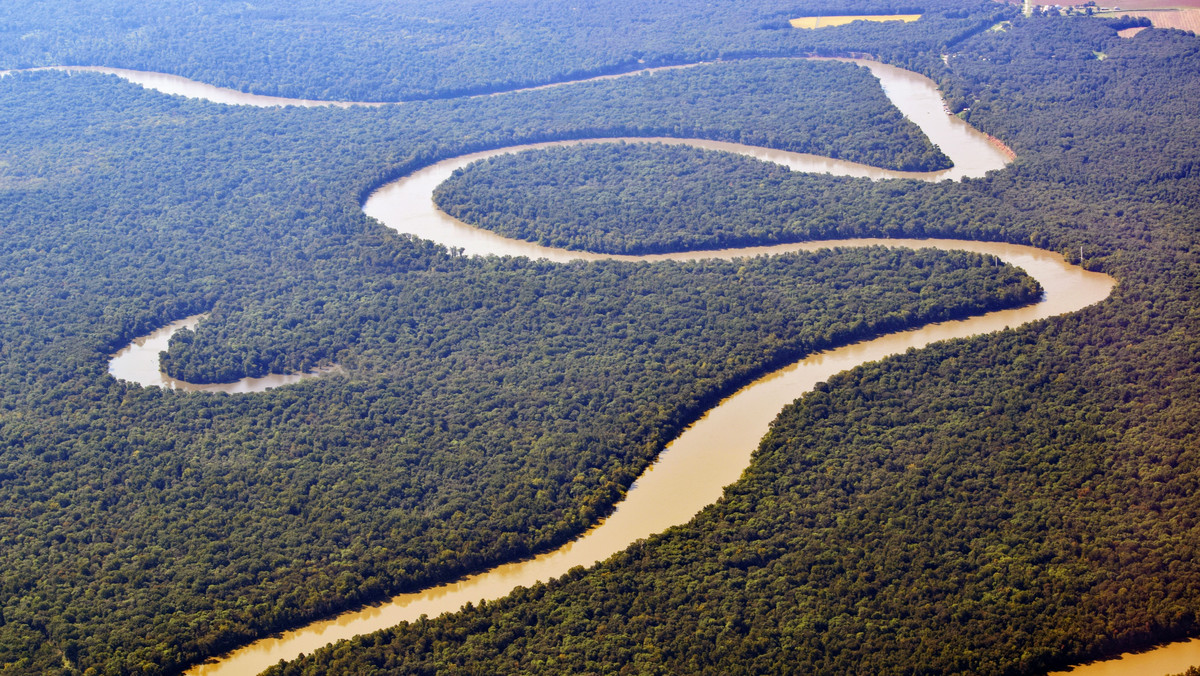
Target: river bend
694 468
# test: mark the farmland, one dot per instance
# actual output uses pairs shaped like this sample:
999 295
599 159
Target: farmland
1187 19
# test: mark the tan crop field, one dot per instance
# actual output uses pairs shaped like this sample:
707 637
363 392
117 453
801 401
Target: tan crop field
827 21
1183 19
1127 6
1150 4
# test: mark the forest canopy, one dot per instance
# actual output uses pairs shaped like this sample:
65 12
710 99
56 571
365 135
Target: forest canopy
999 505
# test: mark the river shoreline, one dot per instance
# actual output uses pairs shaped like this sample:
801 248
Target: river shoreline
138 362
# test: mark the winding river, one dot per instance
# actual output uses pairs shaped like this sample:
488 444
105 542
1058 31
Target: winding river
182 86
694 469
712 453
138 362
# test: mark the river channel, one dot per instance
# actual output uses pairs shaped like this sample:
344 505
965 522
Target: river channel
694 469
712 453
137 362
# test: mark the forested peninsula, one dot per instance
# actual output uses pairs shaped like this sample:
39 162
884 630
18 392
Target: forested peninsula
633 198
997 505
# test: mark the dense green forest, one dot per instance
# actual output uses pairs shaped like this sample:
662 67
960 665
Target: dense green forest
485 408
996 505
646 198
388 50
1001 505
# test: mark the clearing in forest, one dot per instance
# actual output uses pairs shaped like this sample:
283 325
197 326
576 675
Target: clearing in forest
827 21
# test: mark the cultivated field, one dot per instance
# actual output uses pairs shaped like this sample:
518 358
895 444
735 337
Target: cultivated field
1183 19
1151 4
1129 6
827 21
